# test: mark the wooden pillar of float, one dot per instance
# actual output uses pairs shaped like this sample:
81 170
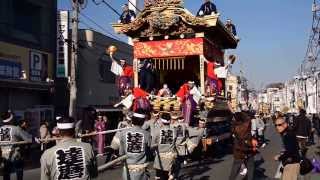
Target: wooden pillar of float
135 72
202 74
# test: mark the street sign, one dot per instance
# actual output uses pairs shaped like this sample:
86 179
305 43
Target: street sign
62 45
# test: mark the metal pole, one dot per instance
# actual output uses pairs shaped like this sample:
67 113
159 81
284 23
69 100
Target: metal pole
112 163
74 58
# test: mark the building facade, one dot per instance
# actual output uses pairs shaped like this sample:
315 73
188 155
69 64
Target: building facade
27 53
96 84
232 86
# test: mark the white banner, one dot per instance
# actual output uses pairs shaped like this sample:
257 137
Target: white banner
62 45
127 102
311 94
116 68
221 72
195 94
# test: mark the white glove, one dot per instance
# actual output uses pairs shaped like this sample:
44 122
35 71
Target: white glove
37 140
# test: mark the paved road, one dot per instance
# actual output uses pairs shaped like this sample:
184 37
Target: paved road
217 168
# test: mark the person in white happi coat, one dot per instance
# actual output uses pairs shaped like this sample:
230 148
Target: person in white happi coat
135 143
11 154
115 143
152 124
195 135
69 159
181 128
127 121
166 154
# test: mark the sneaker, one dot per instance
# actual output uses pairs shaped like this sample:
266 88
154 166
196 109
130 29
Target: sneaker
263 145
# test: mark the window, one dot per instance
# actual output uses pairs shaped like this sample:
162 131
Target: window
9 69
27 17
230 88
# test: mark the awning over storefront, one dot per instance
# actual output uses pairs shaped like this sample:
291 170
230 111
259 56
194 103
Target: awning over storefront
20 84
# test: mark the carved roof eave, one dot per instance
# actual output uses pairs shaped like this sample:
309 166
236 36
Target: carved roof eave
132 29
207 25
231 42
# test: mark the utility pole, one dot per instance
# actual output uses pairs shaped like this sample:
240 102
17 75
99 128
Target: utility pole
74 58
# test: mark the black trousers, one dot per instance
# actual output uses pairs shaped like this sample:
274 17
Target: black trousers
162 175
237 165
13 166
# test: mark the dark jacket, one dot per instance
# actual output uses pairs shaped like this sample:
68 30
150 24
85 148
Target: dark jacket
232 28
242 147
316 123
302 125
125 17
207 8
290 155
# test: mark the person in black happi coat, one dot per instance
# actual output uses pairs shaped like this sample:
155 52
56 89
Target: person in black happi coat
207 8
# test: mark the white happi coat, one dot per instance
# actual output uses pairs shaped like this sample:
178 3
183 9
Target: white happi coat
69 159
182 134
135 143
10 134
165 140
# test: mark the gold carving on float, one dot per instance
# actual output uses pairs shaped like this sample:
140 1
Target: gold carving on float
161 3
164 17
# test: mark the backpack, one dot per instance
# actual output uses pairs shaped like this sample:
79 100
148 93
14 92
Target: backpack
306 166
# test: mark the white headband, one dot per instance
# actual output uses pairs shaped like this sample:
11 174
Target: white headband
138 115
165 121
65 125
174 117
202 121
9 119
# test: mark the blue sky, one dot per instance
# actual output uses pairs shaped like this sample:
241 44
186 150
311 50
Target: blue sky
274 33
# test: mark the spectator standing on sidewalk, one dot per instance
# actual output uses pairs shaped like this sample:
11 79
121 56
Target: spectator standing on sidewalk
44 134
100 138
244 147
290 157
302 128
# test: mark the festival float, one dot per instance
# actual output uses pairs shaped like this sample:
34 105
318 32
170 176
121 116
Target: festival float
179 44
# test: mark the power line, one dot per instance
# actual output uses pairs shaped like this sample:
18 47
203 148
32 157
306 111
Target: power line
107 4
134 6
102 28
86 24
